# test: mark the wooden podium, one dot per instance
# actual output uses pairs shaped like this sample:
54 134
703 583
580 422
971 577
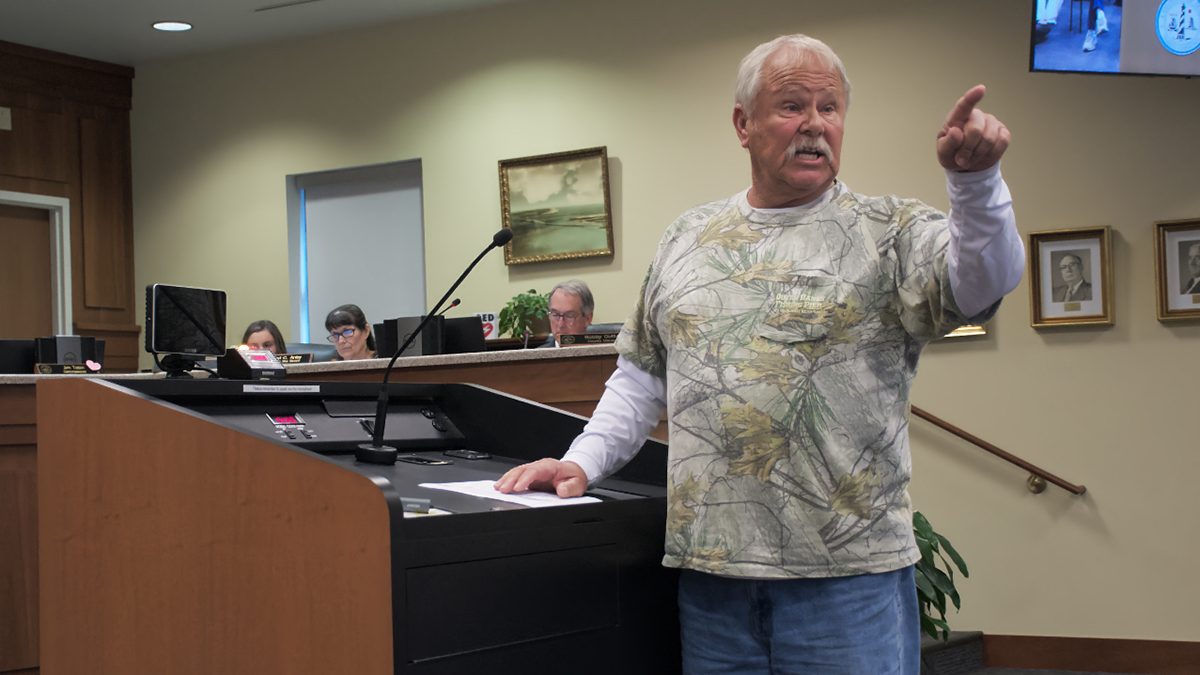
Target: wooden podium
180 533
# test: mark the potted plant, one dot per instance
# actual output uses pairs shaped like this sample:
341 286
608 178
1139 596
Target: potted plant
525 312
934 583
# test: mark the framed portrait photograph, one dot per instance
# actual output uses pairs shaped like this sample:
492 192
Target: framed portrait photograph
557 206
1071 277
1177 269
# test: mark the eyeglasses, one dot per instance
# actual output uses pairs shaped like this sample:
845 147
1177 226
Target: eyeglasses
563 316
343 333
1069 265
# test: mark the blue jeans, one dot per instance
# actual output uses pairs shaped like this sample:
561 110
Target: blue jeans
1096 4
860 625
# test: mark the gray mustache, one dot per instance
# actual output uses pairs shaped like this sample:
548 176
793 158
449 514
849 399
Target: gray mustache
809 145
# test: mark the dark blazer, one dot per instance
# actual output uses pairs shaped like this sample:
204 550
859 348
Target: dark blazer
1084 292
1191 286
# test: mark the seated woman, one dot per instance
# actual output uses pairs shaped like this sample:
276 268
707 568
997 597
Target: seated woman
350 333
264 334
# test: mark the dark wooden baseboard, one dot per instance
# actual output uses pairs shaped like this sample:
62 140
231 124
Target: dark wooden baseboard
1101 655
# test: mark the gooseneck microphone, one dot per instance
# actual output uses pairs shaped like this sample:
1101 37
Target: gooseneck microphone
376 452
453 303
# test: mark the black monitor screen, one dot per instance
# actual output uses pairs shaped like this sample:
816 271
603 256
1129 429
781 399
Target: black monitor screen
184 320
463 335
1131 37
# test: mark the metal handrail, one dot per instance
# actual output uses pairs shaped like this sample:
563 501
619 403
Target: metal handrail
1038 476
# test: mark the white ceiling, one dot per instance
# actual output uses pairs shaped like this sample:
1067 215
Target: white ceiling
118 31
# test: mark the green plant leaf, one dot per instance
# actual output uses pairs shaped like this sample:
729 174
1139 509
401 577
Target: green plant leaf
522 311
958 560
926 551
941 581
922 527
928 627
924 534
934 575
925 587
935 628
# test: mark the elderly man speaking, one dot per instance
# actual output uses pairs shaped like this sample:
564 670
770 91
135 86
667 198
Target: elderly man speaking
781 329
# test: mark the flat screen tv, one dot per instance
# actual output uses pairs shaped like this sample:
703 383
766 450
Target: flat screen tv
185 320
1126 37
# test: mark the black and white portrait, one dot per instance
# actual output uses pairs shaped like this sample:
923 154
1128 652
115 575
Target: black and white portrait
1189 266
1072 284
1072 273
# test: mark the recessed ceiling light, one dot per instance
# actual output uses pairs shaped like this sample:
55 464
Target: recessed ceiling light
172 26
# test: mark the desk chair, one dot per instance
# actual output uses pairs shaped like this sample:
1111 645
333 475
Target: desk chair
605 328
1084 6
321 351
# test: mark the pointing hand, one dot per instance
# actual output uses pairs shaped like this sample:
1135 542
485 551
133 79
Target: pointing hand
971 139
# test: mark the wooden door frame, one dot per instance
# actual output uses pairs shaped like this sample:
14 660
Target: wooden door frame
59 211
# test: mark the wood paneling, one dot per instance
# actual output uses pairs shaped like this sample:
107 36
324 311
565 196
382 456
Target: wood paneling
17 406
258 558
1100 655
107 228
18 556
13 98
18 528
34 186
571 383
26 305
122 344
549 381
70 138
62 76
36 147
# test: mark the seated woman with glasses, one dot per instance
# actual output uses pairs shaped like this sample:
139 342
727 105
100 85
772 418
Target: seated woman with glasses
350 333
264 334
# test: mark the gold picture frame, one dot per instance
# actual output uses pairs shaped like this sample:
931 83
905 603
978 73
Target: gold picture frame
1071 277
969 330
1177 269
557 206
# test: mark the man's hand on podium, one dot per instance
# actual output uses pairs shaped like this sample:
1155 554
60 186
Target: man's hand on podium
566 479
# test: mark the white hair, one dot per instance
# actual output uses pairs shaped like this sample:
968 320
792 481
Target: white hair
576 287
800 49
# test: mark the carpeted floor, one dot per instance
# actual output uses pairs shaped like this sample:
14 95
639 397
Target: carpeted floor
1035 671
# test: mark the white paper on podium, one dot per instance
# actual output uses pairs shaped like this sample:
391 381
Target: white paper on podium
484 488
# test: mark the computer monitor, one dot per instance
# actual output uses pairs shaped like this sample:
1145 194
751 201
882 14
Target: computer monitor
185 320
1136 37
392 333
463 335
16 356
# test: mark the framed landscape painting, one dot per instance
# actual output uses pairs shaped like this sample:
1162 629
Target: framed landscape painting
557 206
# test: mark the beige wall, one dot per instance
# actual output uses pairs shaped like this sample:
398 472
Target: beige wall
214 137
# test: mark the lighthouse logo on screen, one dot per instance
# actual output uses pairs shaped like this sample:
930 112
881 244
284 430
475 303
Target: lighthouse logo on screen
1178 26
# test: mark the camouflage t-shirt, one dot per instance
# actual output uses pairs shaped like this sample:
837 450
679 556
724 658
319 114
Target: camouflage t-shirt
788 340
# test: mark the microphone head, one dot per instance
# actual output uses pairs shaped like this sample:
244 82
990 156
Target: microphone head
502 237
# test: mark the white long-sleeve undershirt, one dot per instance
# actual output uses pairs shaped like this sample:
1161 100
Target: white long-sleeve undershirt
986 259
986 256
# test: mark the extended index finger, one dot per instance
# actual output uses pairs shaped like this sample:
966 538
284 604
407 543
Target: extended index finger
966 103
